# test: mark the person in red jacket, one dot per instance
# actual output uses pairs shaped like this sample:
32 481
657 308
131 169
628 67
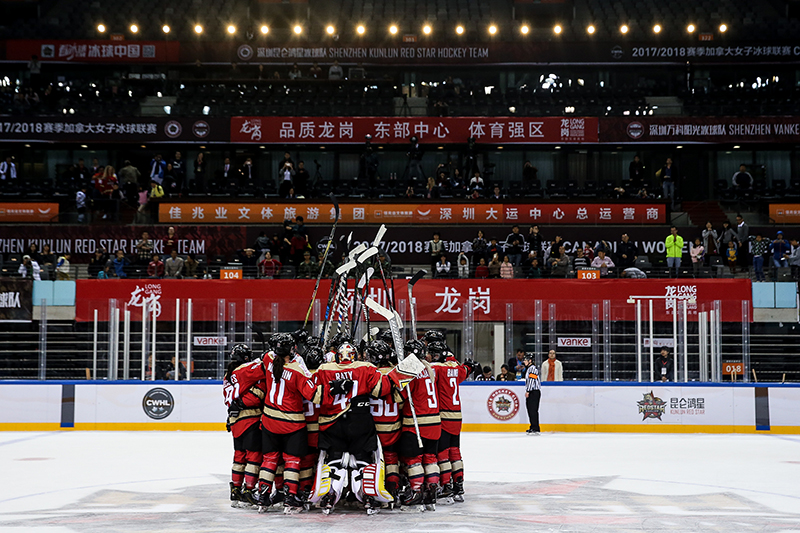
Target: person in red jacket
386 414
420 461
155 269
244 411
449 376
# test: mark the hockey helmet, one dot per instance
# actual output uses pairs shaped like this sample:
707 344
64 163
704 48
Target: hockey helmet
386 336
241 353
282 344
379 352
313 357
415 347
439 351
434 335
346 352
336 341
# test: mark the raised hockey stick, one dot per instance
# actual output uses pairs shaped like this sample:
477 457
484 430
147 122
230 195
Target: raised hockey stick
324 258
363 289
412 308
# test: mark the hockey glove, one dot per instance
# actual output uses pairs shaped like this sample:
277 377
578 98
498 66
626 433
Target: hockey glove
235 408
475 368
340 386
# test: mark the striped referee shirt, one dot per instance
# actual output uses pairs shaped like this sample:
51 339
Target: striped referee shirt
532 378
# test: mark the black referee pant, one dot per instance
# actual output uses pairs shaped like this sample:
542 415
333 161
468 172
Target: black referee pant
532 404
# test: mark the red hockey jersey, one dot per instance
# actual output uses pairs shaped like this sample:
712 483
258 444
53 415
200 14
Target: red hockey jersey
449 376
311 414
422 390
251 395
366 380
386 412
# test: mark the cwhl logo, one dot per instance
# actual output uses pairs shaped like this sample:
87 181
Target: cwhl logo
158 403
503 404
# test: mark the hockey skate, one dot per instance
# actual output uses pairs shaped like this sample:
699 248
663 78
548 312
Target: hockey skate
458 491
236 496
371 506
292 504
413 501
267 501
429 497
445 494
327 502
248 499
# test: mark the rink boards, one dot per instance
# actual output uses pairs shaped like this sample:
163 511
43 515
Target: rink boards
486 406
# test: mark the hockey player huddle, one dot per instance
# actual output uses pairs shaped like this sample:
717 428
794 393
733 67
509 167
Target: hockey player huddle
347 426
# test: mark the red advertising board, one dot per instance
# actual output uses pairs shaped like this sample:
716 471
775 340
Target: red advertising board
436 300
785 213
28 212
93 51
429 130
411 213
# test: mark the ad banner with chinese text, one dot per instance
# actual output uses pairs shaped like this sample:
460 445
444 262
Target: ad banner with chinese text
16 300
700 130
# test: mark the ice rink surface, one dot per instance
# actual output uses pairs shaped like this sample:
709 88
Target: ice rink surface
178 481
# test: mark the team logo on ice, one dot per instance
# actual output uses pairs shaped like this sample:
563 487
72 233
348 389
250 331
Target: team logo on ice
651 406
158 403
503 404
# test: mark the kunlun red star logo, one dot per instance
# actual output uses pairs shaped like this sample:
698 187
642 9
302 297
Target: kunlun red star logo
651 406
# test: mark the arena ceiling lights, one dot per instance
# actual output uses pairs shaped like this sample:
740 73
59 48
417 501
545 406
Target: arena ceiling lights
101 28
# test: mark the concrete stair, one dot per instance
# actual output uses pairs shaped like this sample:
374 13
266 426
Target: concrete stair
701 212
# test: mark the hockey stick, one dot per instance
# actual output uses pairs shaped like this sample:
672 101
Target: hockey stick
413 281
363 289
395 325
324 258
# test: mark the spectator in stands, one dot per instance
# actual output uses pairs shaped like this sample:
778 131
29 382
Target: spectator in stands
33 252
8 170
431 190
552 369
144 248
580 260
627 252
636 171
494 266
227 169
171 240
668 175
536 241
315 72
696 252
517 363
780 251
47 260
443 267
328 269
529 173
29 268
760 249
299 246
662 366
476 183
410 192
105 273
731 255
505 375
481 271
559 265
307 269
120 263
514 245
190 267
494 248
81 204
463 266
63 272
155 269
173 267
742 240
335 72
710 242
534 271
588 252
674 245
302 180
269 267
435 249
179 171
506 269
82 173
486 376
247 173
199 172
496 194
480 247
157 169
287 173
249 260
156 191
603 262
170 183
727 235
295 73
794 259
96 168
742 180
633 273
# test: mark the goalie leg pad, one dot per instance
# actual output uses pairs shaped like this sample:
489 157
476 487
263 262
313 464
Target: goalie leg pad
322 481
431 469
339 477
252 468
238 468
443 458
357 478
457 463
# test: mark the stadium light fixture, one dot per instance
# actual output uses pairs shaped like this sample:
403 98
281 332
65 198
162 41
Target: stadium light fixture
393 29
690 28
231 29
330 30
623 29
460 29
298 29
361 30
101 28
524 29
426 29
723 28
134 28
198 29
557 29
165 28
657 28
492 29
264 29
590 29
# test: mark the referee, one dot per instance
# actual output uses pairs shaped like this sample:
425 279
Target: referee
533 393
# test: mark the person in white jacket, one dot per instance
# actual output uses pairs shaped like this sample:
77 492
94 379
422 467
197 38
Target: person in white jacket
30 268
463 266
552 369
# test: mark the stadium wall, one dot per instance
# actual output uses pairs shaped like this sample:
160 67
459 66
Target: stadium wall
489 406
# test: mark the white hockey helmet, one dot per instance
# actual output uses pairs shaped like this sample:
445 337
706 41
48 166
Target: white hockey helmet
346 352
